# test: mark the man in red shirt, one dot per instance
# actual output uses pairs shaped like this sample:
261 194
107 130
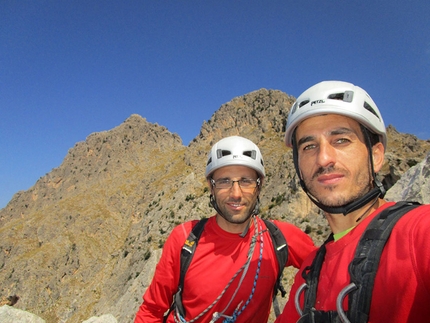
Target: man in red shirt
233 271
339 139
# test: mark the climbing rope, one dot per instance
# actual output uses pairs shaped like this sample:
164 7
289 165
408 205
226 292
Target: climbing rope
244 269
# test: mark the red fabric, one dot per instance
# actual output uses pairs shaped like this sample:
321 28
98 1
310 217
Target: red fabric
218 256
402 284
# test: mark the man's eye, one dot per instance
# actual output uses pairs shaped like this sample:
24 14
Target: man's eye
223 181
342 140
308 147
246 181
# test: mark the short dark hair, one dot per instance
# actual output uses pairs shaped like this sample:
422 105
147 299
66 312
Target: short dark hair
373 137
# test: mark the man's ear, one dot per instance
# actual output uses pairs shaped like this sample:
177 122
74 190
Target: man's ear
378 152
210 185
261 183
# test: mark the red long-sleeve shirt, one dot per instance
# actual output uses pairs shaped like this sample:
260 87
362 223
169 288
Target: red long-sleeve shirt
401 292
218 256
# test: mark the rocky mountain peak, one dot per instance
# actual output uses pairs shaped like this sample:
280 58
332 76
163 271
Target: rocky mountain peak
84 240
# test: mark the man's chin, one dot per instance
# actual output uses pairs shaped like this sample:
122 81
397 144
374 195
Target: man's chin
237 219
333 203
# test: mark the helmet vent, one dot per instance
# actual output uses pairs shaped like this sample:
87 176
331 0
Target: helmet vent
346 96
336 96
369 108
250 153
222 152
303 103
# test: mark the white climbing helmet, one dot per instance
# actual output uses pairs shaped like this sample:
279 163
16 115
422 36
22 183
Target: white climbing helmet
336 97
236 151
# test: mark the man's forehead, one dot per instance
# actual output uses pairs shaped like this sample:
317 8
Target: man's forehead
328 121
234 170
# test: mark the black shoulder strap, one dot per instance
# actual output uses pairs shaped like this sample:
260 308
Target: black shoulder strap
189 247
187 254
365 264
281 251
311 276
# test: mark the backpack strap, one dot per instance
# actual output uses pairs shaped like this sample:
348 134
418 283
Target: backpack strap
281 250
311 276
187 254
365 264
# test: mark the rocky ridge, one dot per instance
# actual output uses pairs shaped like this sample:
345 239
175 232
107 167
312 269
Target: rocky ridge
84 240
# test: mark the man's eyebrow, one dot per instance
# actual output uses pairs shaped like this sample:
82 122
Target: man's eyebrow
222 178
342 130
334 132
306 139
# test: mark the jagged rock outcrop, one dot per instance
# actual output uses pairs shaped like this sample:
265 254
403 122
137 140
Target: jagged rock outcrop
84 240
404 151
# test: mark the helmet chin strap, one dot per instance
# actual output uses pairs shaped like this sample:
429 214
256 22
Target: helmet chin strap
377 191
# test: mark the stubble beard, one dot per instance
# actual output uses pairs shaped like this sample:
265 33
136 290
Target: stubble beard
234 218
330 197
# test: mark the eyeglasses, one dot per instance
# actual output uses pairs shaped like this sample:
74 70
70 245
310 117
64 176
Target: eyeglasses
228 183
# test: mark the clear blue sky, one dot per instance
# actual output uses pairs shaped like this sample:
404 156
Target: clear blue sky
71 68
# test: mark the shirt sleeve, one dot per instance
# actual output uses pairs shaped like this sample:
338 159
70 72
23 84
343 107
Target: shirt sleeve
158 297
290 314
300 245
419 243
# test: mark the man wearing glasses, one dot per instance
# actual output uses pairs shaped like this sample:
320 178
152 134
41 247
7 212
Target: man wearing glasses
234 268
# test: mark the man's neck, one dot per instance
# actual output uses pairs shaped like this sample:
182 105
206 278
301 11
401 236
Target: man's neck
240 228
339 222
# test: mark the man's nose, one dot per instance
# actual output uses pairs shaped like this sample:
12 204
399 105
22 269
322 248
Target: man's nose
235 189
326 154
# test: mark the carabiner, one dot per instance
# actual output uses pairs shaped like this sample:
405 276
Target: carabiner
343 293
297 298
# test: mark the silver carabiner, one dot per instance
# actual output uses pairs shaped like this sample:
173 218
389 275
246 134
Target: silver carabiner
297 298
343 293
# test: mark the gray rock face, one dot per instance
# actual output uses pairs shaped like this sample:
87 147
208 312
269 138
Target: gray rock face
414 184
8 314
